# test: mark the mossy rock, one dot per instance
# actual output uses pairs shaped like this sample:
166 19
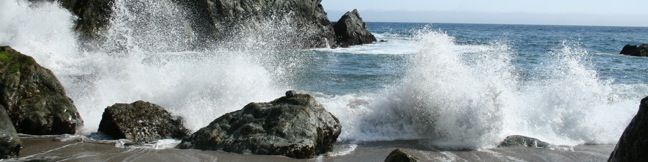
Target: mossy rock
33 97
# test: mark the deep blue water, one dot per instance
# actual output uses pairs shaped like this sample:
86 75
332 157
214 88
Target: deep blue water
371 67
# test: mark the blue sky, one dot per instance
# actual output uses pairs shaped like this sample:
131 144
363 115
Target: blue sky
556 12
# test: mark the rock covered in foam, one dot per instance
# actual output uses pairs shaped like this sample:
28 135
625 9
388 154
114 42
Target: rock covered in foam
34 99
223 19
399 156
523 141
351 30
10 144
635 50
295 125
141 122
633 144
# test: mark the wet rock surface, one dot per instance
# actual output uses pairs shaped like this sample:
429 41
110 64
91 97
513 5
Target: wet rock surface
33 97
399 156
294 125
633 144
141 122
523 141
10 144
635 50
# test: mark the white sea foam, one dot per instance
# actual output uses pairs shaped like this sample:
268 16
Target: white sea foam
200 86
460 98
453 96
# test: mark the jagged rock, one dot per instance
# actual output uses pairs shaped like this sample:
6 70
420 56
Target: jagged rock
34 99
351 30
294 125
633 144
635 50
224 19
400 156
523 141
10 144
141 122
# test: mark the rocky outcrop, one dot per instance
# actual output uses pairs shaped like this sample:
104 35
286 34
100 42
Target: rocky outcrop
10 144
633 144
400 156
93 15
294 125
224 19
635 50
306 20
523 141
141 122
34 99
351 30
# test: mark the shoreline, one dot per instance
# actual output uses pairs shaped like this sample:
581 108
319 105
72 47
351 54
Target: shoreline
52 148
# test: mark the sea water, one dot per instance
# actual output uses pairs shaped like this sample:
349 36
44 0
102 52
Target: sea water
451 86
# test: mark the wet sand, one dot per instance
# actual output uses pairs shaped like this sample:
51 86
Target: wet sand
53 149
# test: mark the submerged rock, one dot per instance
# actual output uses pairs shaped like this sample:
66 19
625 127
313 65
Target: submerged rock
294 125
351 30
400 156
523 141
633 144
635 50
34 99
141 122
10 144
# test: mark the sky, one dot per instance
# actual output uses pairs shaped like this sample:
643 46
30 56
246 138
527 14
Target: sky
549 12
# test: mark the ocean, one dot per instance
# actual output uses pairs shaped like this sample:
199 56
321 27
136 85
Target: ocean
444 86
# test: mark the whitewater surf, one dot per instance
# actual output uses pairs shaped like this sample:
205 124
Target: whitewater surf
427 88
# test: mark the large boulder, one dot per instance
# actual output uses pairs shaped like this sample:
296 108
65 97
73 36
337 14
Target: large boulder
294 125
10 144
141 122
633 144
34 99
399 156
351 30
523 141
225 19
635 50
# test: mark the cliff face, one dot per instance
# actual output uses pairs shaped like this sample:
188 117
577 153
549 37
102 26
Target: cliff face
305 21
302 23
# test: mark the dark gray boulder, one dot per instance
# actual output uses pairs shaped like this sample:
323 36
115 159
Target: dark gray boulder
34 99
633 144
635 50
10 144
399 156
351 30
141 122
523 141
294 125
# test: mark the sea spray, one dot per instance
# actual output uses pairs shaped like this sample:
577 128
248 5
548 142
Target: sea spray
471 96
130 64
453 96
